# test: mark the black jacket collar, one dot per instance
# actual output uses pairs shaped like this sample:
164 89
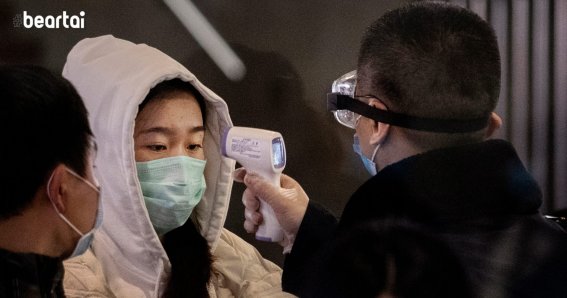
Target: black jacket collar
30 274
467 182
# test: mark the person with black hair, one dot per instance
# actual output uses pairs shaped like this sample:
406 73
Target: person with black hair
49 208
166 185
421 102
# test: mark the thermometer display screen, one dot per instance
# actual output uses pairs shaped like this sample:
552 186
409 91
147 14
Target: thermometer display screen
278 150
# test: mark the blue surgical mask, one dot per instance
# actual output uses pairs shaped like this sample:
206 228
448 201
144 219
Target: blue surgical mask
87 238
369 163
172 187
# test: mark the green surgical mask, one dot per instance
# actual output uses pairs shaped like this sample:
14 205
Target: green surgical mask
172 187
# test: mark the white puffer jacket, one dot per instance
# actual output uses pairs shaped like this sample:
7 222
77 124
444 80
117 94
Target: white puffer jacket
113 76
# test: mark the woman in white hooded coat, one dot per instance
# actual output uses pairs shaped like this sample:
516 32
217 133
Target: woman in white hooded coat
127 257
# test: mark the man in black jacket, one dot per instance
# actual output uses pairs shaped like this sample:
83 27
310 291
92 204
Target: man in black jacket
422 102
49 206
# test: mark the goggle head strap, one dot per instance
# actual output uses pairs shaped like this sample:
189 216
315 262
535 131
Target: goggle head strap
337 101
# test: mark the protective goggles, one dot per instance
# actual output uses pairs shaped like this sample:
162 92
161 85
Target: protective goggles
347 110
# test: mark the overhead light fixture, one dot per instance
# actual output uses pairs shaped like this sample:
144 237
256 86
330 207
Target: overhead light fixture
208 38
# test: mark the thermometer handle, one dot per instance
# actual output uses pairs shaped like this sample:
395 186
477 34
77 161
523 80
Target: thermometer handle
270 229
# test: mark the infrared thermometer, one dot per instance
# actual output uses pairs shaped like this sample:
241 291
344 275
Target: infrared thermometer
261 151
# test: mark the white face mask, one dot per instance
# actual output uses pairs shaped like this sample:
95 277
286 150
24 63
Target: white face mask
86 239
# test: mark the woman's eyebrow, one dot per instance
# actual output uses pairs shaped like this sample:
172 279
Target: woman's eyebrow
197 128
168 131
157 129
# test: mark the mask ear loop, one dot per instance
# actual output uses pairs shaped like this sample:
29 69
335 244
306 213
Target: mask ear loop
377 147
375 152
57 211
93 186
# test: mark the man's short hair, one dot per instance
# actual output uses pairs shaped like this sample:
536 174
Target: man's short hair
44 123
432 60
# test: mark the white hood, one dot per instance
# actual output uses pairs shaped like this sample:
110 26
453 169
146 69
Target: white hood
113 76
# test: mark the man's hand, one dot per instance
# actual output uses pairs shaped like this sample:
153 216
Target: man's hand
289 203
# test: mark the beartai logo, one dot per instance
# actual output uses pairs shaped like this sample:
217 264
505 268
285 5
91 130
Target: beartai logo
54 22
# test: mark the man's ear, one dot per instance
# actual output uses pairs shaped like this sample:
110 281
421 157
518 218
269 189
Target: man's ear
379 130
57 187
494 123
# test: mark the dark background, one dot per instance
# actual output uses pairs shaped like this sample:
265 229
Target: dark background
293 50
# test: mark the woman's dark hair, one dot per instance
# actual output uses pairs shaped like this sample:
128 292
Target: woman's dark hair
191 262
44 123
188 251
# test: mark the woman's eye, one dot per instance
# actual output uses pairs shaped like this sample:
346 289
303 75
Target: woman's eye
156 147
194 147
